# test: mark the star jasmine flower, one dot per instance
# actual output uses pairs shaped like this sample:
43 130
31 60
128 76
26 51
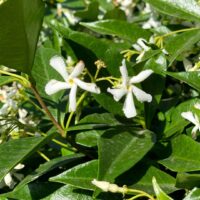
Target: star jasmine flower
194 119
127 88
71 81
141 47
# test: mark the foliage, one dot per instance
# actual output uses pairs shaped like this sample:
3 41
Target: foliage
99 99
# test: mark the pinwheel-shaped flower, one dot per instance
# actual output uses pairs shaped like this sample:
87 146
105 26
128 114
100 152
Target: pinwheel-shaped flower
71 82
128 88
194 119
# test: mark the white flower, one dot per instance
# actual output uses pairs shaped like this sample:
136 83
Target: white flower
71 82
128 88
194 119
141 47
151 23
8 179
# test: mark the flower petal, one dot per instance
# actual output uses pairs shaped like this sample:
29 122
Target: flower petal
72 98
59 65
77 69
90 87
141 76
54 86
189 116
129 106
124 72
141 95
117 93
9 180
141 42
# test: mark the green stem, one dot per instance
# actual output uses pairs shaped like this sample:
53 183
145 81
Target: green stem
51 117
43 156
133 191
178 31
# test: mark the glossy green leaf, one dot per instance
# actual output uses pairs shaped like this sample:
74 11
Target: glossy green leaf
122 29
119 150
190 78
33 191
185 9
140 177
160 194
70 193
193 194
79 176
184 157
20 23
181 43
188 180
105 50
174 120
49 166
17 151
89 138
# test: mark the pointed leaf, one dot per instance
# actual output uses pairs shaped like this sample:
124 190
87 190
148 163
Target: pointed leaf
20 23
185 9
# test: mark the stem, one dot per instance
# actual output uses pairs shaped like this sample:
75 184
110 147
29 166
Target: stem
178 31
51 117
43 156
72 113
135 197
140 192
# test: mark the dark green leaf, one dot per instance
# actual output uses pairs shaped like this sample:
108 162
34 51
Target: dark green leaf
190 78
184 157
181 43
80 176
20 23
49 166
105 50
187 9
119 150
17 151
122 29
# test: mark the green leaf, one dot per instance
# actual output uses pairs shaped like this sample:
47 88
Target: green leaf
20 23
119 150
89 138
15 151
79 176
188 180
105 50
187 9
174 121
71 193
181 43
32 191
140 177
193 194
6 79
184 157
190 78
160 194
122 29
49 166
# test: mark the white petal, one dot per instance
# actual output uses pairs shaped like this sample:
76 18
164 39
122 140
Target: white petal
197 106
19 166
72 98
124 72
117 93
59 65
54 86
90 87
141 95
103 185
77 69
141 76
141 41
137 47
9 180
129 106
189 116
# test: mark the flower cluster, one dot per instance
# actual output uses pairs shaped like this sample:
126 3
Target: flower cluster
124 87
